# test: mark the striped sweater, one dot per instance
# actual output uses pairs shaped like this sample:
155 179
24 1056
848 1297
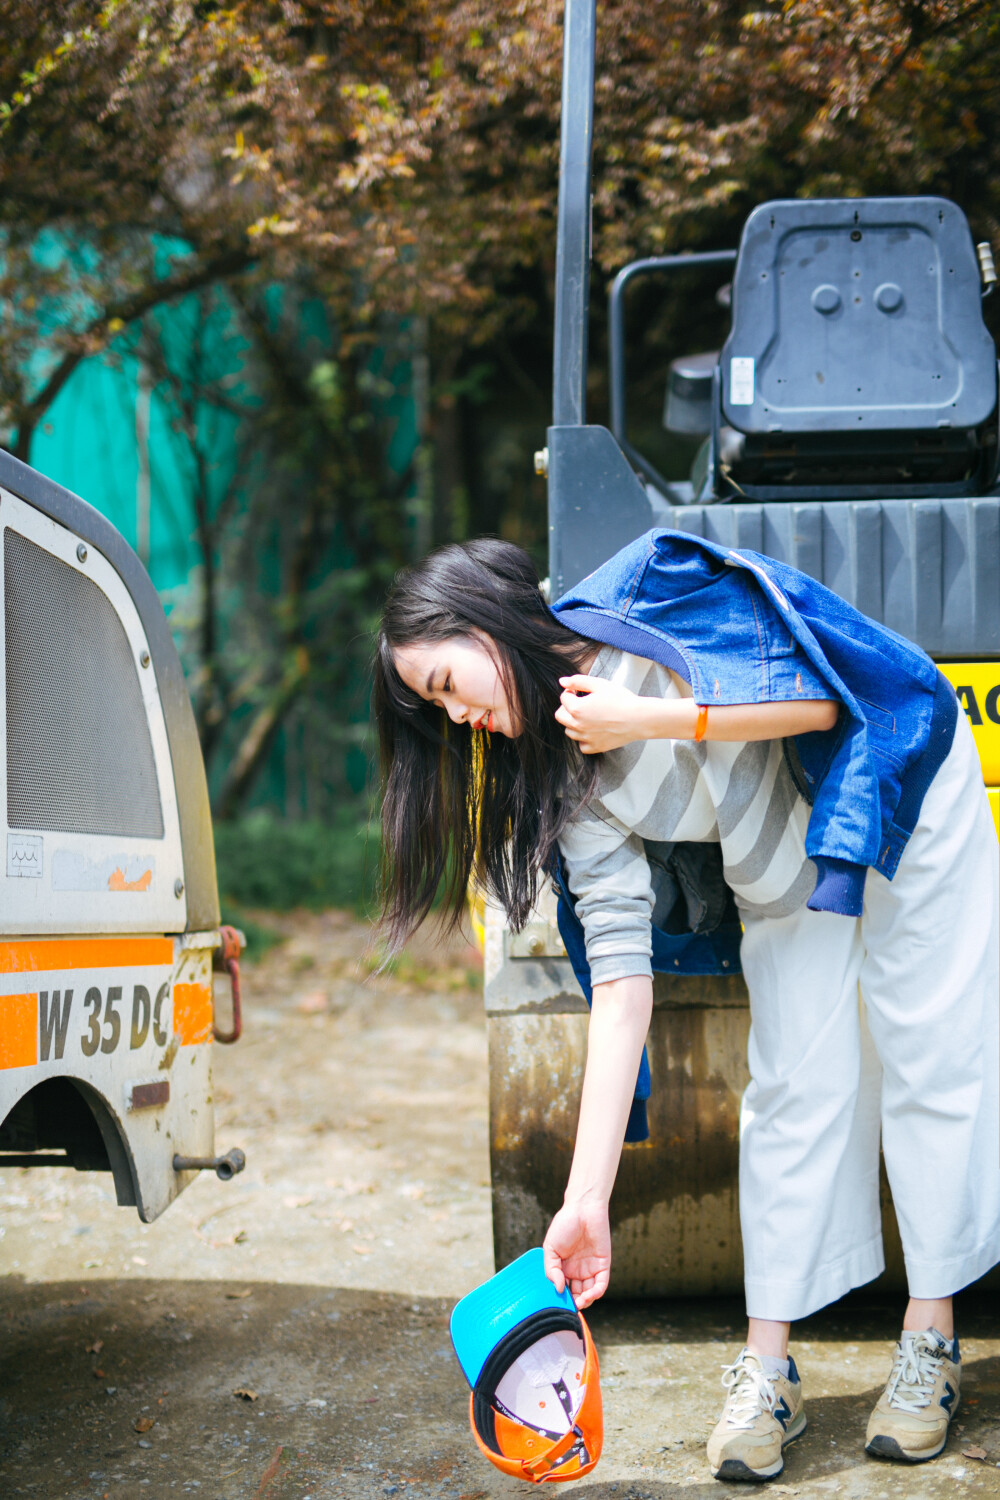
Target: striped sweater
740 796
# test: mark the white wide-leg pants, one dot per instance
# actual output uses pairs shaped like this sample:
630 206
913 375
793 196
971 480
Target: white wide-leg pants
885 1025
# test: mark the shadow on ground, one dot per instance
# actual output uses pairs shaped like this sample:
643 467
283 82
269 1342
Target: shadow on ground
130 1388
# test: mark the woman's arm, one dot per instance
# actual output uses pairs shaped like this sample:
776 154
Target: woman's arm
578 1243
602 715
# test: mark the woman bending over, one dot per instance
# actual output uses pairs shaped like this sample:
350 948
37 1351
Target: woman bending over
685 694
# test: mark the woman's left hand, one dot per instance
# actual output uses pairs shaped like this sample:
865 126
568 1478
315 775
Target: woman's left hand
598 714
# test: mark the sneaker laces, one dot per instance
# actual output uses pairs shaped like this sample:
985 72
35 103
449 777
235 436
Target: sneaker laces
750 1391
914 1374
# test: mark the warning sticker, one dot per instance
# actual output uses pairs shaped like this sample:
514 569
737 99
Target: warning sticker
741 381
24 856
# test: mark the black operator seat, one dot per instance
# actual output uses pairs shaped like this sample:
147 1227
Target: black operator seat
858 361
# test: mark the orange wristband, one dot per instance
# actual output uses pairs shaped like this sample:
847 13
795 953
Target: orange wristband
701 723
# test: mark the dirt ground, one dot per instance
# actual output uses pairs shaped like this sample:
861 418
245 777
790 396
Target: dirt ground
286 1335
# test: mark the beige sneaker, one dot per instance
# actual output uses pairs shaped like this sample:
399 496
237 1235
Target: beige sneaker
910 1420
762 1413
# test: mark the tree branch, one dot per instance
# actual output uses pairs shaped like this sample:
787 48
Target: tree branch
231 263
264 725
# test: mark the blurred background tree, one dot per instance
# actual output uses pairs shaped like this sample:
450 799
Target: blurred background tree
276 289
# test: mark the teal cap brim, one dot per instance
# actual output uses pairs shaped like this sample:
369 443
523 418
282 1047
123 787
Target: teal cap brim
488 1314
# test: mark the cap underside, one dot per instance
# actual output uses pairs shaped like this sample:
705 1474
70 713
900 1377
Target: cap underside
544 1386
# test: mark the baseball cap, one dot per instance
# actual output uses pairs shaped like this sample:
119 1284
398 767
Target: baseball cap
535 1407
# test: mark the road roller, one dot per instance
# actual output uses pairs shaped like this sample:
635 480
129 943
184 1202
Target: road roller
848 426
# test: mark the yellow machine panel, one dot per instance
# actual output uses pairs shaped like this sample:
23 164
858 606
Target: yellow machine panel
977 684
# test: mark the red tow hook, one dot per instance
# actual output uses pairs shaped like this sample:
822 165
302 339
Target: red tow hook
227 959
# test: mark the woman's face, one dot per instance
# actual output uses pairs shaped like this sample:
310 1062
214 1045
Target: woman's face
461 676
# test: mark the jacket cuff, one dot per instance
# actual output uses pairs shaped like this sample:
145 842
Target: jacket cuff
637 1128
840 886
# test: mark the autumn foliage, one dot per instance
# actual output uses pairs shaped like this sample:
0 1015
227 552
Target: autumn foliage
402 153
398 159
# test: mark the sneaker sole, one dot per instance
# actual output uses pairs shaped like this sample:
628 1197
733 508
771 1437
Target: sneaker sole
734 1470
887 1447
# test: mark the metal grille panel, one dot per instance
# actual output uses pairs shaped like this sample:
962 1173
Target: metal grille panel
79 753
929 569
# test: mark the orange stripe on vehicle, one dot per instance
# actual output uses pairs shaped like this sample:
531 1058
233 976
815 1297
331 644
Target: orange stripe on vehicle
18 1031
192 1013
44 955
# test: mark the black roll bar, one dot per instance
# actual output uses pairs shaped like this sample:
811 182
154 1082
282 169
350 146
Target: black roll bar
572 294
616 343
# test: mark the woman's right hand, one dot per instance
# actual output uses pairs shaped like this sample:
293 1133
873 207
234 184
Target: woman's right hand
600 715
578 1251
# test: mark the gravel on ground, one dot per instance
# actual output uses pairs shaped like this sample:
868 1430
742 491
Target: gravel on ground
286 1334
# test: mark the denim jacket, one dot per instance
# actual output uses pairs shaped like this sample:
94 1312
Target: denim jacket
743 628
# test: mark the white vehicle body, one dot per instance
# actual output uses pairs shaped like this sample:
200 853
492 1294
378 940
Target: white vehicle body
109 911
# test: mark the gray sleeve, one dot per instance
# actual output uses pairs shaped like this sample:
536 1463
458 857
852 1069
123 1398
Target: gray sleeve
607 873
620 966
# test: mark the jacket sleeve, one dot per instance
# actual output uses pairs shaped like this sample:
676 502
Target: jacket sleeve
609 879
845 824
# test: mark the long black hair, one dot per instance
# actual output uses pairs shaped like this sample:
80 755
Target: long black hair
457 802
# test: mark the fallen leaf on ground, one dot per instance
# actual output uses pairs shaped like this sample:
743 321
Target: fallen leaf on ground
313 1004
245 1393
238 1296
974 1453
95 1347
144 1424
271 1471
99 1375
